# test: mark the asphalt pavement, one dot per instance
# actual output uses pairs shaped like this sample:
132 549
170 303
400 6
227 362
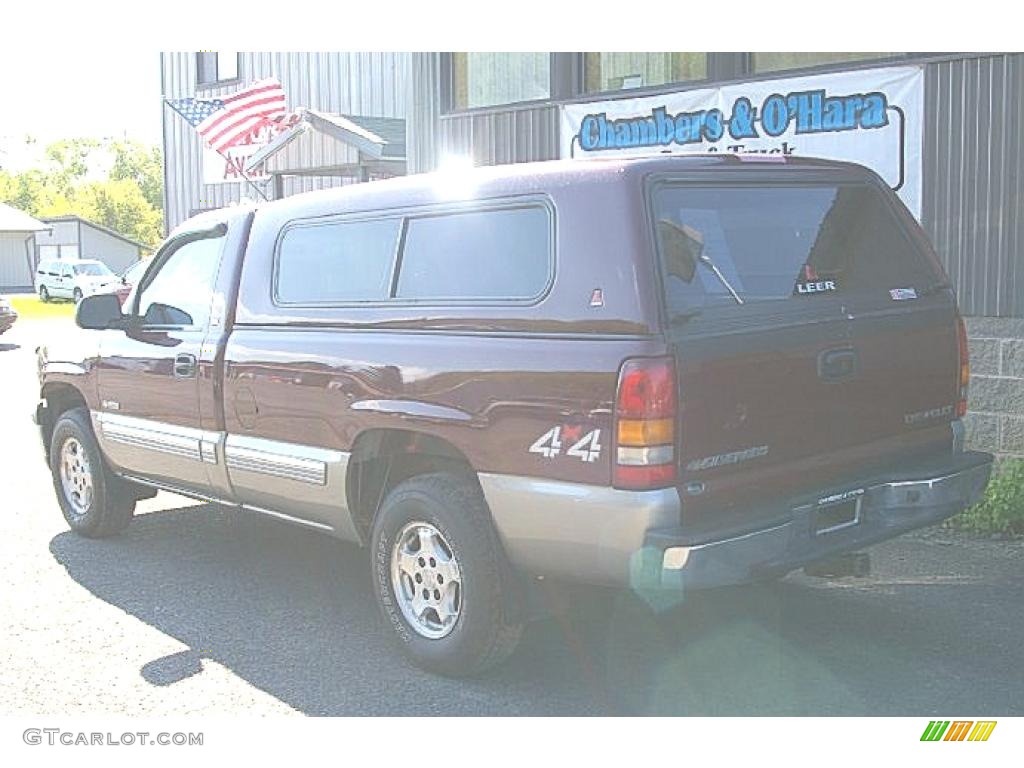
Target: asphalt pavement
202 609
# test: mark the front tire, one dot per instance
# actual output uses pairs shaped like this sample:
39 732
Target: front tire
95 502
44 295
441 578
77 295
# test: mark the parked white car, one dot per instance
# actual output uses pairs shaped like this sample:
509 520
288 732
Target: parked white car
74 279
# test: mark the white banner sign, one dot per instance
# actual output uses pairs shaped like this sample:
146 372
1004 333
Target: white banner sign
229 167
218 169
872 117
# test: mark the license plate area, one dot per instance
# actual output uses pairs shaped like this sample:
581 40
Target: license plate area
835 513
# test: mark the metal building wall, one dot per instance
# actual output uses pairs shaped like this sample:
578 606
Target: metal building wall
354 83
502 136
974 180
112 251
14 269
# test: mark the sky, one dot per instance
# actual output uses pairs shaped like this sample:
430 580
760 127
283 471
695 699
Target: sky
106 91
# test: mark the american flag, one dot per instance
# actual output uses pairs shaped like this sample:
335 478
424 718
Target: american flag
226 122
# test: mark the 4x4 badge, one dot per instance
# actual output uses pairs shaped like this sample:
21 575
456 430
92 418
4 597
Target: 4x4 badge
586 448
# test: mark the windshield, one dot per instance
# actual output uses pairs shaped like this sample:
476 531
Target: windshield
92 270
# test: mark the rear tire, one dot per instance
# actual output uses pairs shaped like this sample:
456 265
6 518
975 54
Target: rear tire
95 502
441 578
44 295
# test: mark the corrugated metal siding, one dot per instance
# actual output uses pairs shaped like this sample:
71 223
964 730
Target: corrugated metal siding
509 136
422 122
353 83
14 269
112 251
973 180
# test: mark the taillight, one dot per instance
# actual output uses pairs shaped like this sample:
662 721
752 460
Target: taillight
645 419
964 378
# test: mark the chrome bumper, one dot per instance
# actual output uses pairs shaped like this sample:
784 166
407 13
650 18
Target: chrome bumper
888 508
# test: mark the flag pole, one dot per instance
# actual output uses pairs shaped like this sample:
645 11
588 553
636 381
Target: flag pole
245 176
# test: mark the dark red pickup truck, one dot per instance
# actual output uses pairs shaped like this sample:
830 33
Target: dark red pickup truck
659 373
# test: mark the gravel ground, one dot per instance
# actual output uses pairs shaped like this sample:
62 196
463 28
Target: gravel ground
200 609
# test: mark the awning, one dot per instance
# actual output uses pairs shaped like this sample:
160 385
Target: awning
322 144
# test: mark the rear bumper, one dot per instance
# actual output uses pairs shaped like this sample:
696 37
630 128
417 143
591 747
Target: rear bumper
888 506
633 538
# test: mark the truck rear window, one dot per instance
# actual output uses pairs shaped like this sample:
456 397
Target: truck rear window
781 242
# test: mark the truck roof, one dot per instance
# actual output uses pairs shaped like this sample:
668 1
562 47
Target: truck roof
524 178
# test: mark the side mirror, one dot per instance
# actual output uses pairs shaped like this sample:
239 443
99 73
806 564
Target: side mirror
682 247
99 312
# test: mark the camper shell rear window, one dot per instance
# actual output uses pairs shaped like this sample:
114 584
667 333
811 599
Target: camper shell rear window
781 242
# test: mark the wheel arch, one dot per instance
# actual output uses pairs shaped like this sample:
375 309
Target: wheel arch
382 458
60 397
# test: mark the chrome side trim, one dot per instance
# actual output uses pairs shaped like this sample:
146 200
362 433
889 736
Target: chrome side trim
285 460
581 532
153 435
306 481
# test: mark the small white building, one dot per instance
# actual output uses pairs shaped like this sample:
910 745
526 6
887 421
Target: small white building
17 248
72 237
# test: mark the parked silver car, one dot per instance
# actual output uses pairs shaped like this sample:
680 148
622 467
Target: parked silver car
74 279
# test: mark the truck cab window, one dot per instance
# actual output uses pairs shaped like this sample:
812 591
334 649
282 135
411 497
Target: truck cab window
181 291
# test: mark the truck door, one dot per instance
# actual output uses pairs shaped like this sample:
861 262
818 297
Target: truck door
149 422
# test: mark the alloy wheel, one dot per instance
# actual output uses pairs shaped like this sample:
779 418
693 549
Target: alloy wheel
426 580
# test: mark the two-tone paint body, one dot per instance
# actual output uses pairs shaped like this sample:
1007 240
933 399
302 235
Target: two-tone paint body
283 396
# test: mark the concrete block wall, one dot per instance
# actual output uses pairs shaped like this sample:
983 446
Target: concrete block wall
995 421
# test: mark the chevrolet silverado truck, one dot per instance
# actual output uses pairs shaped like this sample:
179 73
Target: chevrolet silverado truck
665 373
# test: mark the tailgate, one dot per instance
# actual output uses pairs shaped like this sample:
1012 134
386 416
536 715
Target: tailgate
814 338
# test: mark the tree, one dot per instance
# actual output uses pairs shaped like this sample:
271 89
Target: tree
141 164
118 184
120 205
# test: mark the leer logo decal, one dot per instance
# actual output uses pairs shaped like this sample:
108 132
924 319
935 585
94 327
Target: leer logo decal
586 448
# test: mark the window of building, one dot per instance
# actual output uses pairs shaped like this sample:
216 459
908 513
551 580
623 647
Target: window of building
618 71
488 79
216 66
771 62
495 254
342 261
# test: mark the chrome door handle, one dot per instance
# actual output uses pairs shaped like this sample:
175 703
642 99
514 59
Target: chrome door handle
184 366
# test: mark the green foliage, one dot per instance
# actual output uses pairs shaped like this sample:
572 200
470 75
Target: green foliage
1001 510
142 165
126 196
